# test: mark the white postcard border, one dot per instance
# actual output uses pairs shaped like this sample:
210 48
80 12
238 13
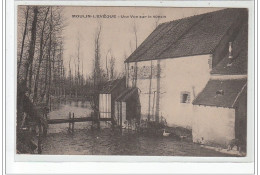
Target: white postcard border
101 164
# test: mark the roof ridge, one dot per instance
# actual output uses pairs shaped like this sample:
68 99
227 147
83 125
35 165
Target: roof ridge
169 37
202 14
168 23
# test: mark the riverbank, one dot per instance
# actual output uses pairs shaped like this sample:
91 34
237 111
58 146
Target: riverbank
108 142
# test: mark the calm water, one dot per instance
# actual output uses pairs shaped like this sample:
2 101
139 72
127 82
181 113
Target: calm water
84 141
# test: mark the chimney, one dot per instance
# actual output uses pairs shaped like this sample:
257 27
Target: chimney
230 54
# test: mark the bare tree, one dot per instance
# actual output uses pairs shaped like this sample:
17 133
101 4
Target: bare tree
75 78
112 67
97 81
31 50
52 55
44 25
82 73
135 34
97 68
157 20
60 62
23 40
42 45
78 54
70 77
130 45
49 61
109 51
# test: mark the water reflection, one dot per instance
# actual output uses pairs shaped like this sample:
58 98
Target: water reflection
61 111
85 141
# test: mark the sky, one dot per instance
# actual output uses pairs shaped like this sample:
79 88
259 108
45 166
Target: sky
117 34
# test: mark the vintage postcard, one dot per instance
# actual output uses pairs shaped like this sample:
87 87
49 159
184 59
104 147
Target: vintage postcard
132 81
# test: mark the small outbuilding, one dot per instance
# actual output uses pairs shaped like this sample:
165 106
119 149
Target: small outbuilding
128 109
110 91
220 112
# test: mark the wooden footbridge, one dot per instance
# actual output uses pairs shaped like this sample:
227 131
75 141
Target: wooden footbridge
71 120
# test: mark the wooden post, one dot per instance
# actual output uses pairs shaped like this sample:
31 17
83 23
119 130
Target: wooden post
50 103
69 122
73 122
153 115
40 139
92 116
150 89
158 89
98 121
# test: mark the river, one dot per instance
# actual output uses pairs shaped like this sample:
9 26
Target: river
85 141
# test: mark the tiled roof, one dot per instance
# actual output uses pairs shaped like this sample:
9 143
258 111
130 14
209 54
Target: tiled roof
240 56
126 94
111 85
228 91
194 35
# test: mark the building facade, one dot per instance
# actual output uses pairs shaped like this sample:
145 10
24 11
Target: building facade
176 64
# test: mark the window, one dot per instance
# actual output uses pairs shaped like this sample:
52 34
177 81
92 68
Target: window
220 92
185 97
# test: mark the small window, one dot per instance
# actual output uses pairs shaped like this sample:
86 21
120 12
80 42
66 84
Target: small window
220 92
185 97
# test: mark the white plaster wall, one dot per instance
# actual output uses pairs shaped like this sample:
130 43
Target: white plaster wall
213 125
177 75
143 85
189 74
130 74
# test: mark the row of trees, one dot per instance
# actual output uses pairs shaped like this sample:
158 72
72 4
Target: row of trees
40 59
77 84
40 65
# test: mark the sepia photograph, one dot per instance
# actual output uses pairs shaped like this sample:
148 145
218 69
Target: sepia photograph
132 81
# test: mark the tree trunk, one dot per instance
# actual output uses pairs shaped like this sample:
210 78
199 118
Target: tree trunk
78 84
49 60
30 77
24 34
32 43
40 59
45 78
